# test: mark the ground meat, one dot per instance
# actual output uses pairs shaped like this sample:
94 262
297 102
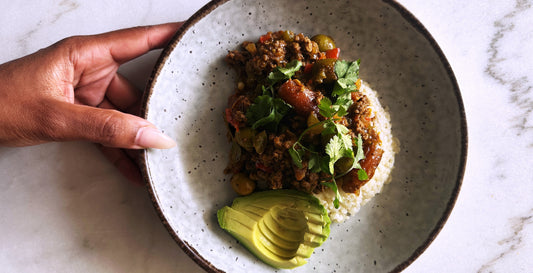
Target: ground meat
269 55
360 115
308 49
271 164
255 64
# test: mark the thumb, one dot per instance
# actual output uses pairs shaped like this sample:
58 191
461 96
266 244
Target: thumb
108 127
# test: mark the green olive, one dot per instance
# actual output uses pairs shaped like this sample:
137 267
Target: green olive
288 36
312 126
235 152
324 42
324 71
245 137
343 165
260 142
242 184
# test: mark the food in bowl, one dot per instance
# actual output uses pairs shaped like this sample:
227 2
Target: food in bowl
302 119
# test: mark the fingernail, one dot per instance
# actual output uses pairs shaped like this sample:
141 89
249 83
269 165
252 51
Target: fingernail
148 137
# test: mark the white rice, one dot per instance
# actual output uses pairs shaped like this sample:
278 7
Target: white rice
351 202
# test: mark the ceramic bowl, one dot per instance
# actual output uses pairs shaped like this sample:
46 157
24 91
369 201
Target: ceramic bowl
188 92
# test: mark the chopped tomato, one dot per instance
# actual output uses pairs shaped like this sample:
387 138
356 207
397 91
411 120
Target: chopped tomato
265 37
230 119
262 167
308 68
333 53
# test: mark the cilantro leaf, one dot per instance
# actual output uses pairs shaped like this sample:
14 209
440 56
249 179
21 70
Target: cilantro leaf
291 68
359 154
353 71
347 145
330 129
334 150
314 163
325 109
343 86
347 74
333 186
267 112
341 67
267 91
343 103
341 129
349 70
284 73
361 175
339 146
339 108
296 156
318 163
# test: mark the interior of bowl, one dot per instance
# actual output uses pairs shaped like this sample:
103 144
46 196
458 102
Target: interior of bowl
188 94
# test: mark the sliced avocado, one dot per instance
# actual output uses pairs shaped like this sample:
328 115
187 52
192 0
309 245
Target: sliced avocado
280 227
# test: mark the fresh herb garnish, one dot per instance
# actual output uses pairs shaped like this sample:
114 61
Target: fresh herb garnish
333 186
267 111
284 73
347 74
281 74
340 144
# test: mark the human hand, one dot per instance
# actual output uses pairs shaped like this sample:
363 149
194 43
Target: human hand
72 91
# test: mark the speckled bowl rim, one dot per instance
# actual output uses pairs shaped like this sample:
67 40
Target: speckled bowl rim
415 23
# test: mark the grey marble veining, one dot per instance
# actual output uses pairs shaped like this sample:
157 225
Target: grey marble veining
509 65
515 242
62 8
511 70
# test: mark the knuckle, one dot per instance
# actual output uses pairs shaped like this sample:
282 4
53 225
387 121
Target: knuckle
72 41
71 47
145 32
116 130
69 43
110 129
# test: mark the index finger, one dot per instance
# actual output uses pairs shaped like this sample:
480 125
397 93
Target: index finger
127 44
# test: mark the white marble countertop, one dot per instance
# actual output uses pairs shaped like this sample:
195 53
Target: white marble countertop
64 208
